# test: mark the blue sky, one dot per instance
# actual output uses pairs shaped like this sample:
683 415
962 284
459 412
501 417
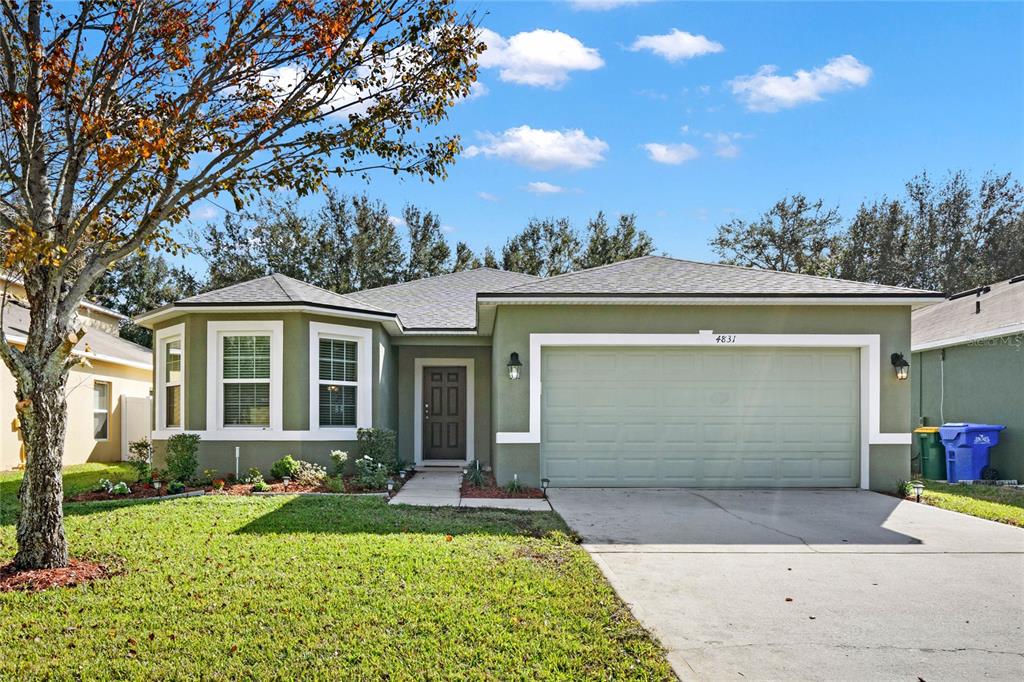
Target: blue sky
739 104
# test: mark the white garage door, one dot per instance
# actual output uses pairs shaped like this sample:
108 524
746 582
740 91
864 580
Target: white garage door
701 417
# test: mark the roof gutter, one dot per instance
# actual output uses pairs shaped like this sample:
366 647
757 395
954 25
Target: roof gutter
716 299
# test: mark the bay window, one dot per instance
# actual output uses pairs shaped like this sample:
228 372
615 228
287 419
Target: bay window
340 396
244 375
170 377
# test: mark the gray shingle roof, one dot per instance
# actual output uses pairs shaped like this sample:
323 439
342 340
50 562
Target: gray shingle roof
279 289
16 319
663 276
442 302
1001 313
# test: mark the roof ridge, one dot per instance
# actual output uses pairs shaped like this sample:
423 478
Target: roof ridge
398 285
578 272
346 297
232 286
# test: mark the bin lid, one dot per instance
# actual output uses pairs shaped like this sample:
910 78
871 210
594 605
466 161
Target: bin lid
966 427
926 429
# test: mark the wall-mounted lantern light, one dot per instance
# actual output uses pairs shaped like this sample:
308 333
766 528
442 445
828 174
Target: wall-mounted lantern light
514 366
900 364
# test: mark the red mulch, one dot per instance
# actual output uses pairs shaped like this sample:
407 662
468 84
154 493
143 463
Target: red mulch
76 573
139 491
492 490
351 486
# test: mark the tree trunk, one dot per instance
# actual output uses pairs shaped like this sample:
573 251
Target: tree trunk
41 540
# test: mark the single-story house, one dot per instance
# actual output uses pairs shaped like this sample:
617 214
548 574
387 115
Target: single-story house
648 372
969 358
108 394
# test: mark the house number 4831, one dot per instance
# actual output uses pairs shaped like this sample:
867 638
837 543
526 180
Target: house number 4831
725 338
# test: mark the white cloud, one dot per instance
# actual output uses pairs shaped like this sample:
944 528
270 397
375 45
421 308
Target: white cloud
478 89
542 149
671 154
677 45
203 212
487 196
447 229
767 91
725 144
540 57
544 188
397 221
602 5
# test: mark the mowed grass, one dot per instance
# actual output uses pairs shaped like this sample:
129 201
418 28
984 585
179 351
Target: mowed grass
222 587
995 503
79 478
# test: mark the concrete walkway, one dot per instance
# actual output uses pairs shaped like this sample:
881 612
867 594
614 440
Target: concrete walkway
440 488
810 584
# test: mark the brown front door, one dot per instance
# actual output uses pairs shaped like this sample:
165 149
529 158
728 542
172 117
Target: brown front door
444 413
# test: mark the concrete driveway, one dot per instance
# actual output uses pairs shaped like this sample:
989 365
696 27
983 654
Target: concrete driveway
808 584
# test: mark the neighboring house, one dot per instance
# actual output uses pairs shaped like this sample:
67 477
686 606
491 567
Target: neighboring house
107 395
656 372
969 366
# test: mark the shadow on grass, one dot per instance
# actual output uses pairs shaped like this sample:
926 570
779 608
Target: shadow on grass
371 515
77 479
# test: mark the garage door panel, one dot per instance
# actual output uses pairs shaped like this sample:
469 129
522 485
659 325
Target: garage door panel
700 417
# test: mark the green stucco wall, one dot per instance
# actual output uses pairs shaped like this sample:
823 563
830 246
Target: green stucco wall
295 406
407 403
515 323
984 382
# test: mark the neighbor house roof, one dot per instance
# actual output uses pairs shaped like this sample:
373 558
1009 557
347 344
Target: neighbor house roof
662 276
96 344
983 313
442 302
89 305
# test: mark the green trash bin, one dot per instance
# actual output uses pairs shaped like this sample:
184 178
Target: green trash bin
933 454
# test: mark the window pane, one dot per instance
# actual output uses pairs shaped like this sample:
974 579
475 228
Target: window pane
337 405
337 360
172 362
100 400
246 357
99 425
246 404
172 402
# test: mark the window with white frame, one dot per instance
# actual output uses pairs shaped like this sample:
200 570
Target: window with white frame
245 377
101 410
170 377
340 378
338 393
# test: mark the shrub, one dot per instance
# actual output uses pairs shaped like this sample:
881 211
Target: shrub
140 456
104 485
260 486
514 486
340 459
209 475
182 456
286 466
904 488
120 489
336 484
218 484
370 474
380 445
307 473
253 476
175 487
475 475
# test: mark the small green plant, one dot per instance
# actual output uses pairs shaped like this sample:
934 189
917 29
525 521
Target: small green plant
260 486
120 489
210 475
253 476
380 445
284 467
514 486
371 474
904 488
336 484
339 458
175 487
475 475
308 473
183 456
104 485
140 456
218 484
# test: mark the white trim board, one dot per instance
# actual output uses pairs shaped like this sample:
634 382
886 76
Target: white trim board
870 372
363 337
90 355
417 414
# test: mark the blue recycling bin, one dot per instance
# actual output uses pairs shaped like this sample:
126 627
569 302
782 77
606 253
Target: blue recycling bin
967 449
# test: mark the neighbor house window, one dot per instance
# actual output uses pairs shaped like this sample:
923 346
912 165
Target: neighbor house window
245 365
170 377
101 410
338 382
340 378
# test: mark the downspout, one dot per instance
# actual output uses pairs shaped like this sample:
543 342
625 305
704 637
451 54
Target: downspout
942 386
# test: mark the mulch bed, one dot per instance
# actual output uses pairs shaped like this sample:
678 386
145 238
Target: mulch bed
77 572
139 491
492 490
351 487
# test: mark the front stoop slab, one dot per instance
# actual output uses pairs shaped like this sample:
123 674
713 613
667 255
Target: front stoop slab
442 489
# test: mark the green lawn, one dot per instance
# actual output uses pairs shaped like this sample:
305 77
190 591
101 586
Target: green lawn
995 503
310 587
77 479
